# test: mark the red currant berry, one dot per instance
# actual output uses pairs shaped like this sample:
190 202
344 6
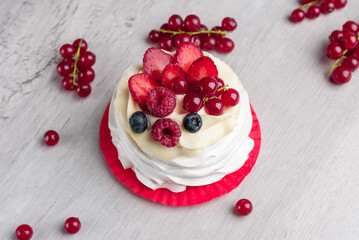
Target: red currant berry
165 27
154 36
196 40
230 97
68 84
23 232
297 15
192 23
313 12
305 1
340 3
83 45
83 90
214 106
165 43
220 82
209 43
336 36
220 85
64 68
72 225
229 24
217 35
67 51
87 59
357 51
327 6
351 62
182 38
193 87
350 40
87 75
208 86
203 27
51 138
175 22
178 85
351 26
341 75
192 102
243 207
334 50
225 45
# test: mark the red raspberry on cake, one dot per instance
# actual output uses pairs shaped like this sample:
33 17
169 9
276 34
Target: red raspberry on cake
166 131
161 102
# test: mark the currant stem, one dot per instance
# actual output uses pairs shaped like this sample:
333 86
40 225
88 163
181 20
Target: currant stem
309 4
193 33
336 63
221 88
76 70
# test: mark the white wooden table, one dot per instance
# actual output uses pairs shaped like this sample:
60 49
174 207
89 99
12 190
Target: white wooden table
305 182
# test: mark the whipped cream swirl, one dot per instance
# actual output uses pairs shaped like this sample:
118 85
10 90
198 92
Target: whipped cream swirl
218 160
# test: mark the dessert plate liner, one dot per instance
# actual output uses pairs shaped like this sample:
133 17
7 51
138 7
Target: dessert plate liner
193 194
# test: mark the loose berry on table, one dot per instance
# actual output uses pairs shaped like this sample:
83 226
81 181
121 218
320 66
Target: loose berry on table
72 225
51 138
23 232
243 207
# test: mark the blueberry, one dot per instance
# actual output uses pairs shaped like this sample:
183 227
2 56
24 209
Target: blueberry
192 122
138 122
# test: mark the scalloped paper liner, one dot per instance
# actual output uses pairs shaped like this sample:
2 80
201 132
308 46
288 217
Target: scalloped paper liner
192 195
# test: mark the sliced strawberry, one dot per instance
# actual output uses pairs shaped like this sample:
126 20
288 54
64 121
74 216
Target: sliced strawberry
186 54
202 67
154 61
140 84
171 71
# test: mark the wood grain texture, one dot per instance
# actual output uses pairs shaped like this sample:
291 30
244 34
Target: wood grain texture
304 185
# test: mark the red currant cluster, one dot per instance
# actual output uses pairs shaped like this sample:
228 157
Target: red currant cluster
76 68
24 232
190 30
344 48
212 93
315 8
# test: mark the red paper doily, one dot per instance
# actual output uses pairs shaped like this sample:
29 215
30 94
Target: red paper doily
192 195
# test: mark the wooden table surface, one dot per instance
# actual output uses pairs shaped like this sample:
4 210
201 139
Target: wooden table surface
305 184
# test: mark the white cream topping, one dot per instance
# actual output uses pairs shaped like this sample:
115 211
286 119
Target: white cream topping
219 148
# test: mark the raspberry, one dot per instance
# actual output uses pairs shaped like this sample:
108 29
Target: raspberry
166 131
161 102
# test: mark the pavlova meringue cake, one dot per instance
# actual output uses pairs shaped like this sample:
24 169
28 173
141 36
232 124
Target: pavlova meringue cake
180 119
